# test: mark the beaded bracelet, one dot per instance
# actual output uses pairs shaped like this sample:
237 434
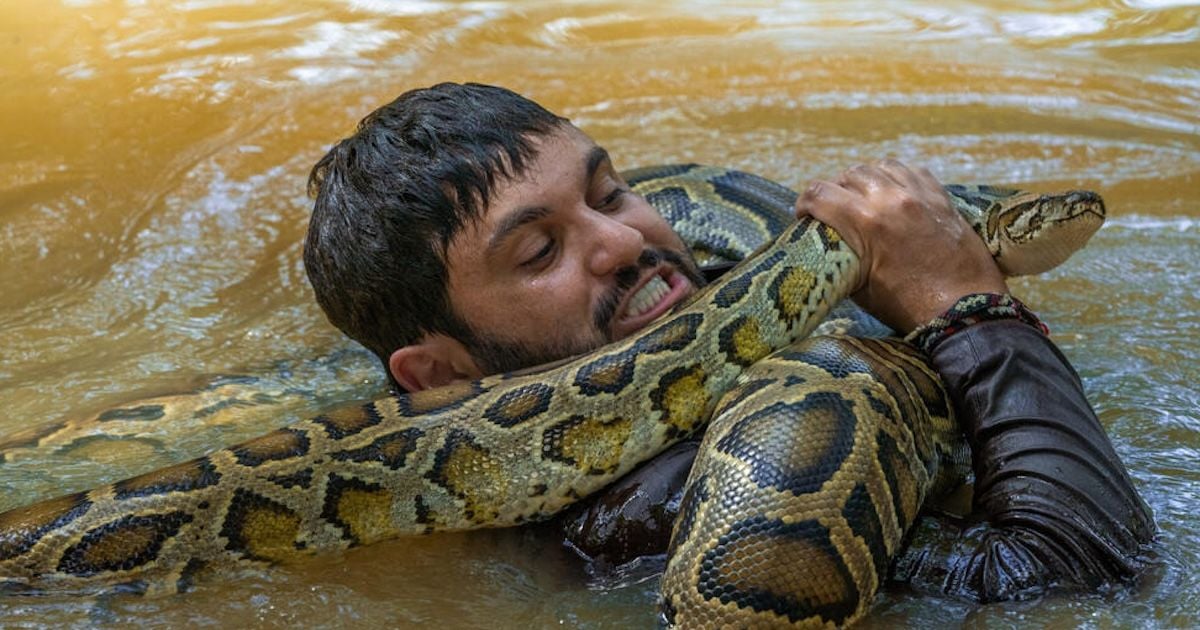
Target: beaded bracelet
972 309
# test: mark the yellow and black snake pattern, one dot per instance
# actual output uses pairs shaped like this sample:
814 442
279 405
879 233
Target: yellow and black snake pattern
775 529
513 448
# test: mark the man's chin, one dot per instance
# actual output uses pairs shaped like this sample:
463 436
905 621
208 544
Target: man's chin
505 357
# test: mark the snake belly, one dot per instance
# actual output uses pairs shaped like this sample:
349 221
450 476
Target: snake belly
496 452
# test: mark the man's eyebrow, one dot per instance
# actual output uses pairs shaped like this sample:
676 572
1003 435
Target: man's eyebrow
512 222
595 157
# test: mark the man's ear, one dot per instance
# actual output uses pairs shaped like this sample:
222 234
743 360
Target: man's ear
434 361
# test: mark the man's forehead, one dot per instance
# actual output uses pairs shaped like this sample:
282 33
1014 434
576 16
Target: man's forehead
567 155
568 143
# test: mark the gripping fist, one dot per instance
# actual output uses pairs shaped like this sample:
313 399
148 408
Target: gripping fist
918 255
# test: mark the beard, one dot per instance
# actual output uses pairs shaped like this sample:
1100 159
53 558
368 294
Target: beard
495 355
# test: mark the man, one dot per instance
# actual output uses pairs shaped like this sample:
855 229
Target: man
464 230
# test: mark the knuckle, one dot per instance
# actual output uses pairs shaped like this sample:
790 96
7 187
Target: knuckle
910 203
814 191
871 222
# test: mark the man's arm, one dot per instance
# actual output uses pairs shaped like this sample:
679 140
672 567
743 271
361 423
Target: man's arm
1058 505
1054 503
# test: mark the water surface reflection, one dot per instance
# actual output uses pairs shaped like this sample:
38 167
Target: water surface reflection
152 209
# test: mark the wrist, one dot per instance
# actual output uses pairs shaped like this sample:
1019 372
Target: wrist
969 310
908 305
947 295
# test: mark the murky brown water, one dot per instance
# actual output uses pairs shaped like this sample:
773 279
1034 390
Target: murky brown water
152 210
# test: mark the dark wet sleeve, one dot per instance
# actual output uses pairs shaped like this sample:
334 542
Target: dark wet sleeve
633 517
1057 506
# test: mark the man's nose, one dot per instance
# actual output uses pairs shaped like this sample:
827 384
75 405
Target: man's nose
614 245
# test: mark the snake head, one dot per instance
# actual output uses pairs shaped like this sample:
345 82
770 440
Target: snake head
1030 233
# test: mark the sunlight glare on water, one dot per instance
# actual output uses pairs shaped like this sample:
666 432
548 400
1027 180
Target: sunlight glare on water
152 209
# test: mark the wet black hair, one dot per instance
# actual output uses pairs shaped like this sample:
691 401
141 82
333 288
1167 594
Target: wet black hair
389 199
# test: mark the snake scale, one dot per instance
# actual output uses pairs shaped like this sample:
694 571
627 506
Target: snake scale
821 450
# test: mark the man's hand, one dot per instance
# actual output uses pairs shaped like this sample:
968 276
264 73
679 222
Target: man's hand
918 255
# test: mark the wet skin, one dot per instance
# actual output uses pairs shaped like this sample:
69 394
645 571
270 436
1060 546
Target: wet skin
564 260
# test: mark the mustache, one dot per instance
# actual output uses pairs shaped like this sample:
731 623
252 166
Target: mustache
627 277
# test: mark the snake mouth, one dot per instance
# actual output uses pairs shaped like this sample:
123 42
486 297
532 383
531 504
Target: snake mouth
652 298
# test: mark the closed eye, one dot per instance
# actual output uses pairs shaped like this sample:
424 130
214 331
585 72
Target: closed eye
541 254
610 201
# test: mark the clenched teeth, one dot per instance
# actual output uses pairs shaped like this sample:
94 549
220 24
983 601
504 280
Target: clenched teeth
648 296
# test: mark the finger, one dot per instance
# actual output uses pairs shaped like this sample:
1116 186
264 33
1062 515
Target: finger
913 177
898 172
894 171
835 206
825 196
803 205
800 208
928 178
805 200
866 178
856 178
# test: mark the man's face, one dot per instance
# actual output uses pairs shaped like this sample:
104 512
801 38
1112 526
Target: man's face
564 260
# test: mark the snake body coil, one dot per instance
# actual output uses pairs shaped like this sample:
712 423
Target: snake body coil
513 448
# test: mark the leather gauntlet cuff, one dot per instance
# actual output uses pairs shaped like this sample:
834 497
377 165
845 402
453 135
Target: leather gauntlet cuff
972 309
